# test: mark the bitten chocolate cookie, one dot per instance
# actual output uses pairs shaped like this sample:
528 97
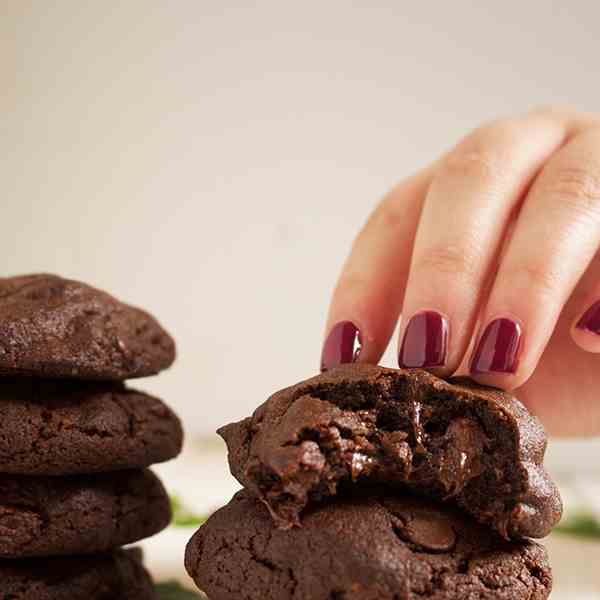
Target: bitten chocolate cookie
59 427
52 516
116 576
370 547
55 327
454 441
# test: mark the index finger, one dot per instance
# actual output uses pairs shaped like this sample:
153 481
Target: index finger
368 297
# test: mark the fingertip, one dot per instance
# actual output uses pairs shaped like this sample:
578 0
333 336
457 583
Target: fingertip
586 329
350 341
343 344
503 381
424 343
496 358
588 341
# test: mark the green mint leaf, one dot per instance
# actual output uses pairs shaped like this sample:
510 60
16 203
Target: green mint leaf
582 525
171 590
182 516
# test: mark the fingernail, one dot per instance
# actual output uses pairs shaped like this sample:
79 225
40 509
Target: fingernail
591 319
498 348
343 345
425 341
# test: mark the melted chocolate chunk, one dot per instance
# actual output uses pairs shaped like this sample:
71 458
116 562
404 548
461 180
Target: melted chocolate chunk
427 530
473 446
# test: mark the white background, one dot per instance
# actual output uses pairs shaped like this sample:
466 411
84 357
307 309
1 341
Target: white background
212 161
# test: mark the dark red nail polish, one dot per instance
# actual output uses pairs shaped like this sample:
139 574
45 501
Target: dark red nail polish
591 319
498 348
343 345
425 341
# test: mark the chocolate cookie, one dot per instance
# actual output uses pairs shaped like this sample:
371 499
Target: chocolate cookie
116 576
61 427
52 516
370 547
55 327
454 441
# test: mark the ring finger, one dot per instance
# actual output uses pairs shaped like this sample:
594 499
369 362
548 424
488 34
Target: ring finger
555 239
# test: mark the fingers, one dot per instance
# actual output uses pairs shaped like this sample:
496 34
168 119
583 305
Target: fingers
439 234
464 219
555 238
367 299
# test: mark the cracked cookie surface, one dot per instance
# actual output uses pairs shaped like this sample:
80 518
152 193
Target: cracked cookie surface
64 428
453 441
115 576
373 546
56 516
54 327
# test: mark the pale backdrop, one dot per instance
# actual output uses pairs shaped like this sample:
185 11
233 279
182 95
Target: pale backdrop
212 161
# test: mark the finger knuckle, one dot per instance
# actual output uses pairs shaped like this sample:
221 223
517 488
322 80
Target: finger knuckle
486 154
448 259
504 134
469 164
534 278
390 214
576 189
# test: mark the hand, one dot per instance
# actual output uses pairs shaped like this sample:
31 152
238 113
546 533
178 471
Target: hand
491 256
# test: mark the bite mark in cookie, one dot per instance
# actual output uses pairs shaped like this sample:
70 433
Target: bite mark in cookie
474 446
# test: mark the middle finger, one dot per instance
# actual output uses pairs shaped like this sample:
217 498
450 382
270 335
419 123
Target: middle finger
464 217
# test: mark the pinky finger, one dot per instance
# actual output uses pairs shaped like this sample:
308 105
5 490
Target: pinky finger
586 327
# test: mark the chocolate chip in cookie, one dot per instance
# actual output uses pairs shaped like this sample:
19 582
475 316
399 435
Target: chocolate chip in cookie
375 545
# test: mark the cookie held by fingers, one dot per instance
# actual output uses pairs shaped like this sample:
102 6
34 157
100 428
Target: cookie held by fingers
457 442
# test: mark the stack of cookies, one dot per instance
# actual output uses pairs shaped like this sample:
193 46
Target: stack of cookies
366 483
75 443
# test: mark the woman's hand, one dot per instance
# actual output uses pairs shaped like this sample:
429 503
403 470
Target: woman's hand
491 256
